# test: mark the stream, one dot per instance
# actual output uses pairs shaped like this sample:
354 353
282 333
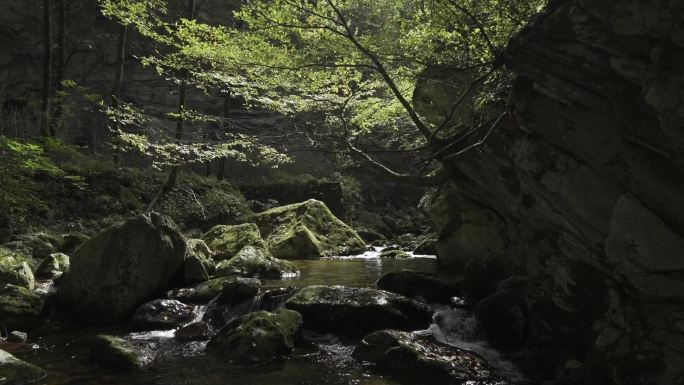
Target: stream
323 359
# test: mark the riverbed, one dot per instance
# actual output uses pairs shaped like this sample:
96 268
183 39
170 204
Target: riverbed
322 359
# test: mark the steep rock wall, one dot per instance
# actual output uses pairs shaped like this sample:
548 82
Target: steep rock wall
582 195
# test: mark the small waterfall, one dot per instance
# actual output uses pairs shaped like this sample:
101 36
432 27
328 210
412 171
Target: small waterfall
458 327
218 315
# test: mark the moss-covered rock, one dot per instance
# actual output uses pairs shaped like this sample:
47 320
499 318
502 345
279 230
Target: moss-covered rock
422 357
116 353
53 266
15 269
357 311
163 314
206 291
226 240
14 371
394 254
255 262
118 269
199 264
307 230
39 245
19 307
418 285
257 337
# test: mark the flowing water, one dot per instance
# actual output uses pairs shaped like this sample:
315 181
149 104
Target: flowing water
324 359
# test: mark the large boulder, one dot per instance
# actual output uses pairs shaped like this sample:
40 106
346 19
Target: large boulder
307 230
15 269
257 337
226 240
118 269
14 371
357 311
418 285
163 314
422 358
19 307
255 262
199 264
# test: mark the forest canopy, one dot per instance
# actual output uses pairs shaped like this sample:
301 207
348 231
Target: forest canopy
350 71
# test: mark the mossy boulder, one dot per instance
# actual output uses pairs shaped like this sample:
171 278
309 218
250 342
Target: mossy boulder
114 272
307 230
39 245
418 285
199 264
162 314
19 306
255 262
116 353
14 371
206 291
15 269
394 254
422 358
227 240
357 311
257 337
53 266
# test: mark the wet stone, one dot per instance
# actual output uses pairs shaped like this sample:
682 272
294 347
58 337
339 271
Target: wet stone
163 314
196 331
422 359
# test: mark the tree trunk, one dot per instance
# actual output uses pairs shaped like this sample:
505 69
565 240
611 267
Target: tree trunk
47 66
226 113
180 125
57 122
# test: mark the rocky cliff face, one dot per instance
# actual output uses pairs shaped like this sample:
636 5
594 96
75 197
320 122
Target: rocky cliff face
581 198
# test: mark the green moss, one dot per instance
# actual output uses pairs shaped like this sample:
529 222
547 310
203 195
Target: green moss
14 371
255 262
305 230
258 337
226 240
19 307
116 353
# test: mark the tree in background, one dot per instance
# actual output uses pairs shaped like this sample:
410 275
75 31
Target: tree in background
353 68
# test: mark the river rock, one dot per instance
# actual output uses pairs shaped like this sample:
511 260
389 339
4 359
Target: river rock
206 291
116 353
39 245
118 269
394 254
14 371
422 358
199 264
17 336
255 262
53 266
196 331
227 240
15 269
19 307
418 285
357 311
163 314
258 337
307 230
